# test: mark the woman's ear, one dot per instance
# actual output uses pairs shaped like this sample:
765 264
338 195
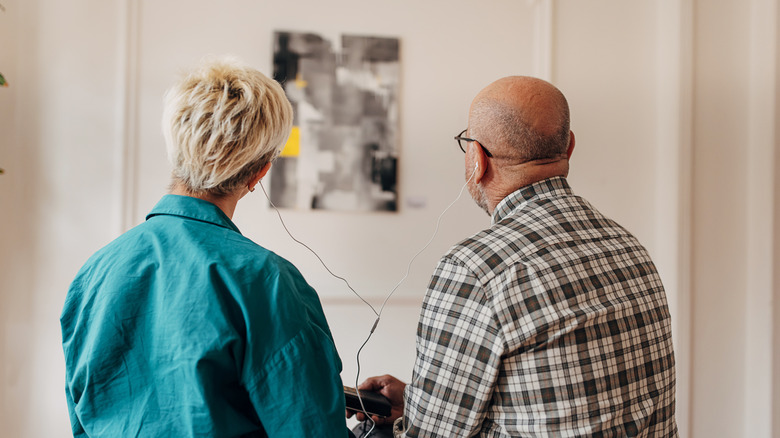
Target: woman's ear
263 171
258 176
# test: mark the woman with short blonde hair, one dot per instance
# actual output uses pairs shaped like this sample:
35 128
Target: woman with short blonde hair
184 327
222 123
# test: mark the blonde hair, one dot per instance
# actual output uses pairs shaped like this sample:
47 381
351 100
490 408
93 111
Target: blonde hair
222 123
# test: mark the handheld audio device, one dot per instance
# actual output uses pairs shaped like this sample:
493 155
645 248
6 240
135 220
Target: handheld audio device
373 403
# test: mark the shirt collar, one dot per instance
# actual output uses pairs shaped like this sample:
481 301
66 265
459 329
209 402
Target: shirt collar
192 208
551 187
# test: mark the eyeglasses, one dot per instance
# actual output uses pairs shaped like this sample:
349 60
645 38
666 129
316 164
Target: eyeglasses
461 139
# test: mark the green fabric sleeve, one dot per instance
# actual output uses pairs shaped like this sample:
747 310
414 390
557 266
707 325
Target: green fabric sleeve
300 391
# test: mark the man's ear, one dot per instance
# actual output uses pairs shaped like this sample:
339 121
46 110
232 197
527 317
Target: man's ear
571 145
480 162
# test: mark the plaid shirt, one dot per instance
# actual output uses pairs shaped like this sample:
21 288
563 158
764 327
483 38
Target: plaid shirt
552 322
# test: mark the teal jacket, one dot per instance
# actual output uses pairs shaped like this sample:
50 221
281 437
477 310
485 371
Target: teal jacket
183 327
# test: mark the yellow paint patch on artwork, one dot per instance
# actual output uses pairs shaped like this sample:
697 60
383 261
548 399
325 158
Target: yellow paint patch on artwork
293 146
299 82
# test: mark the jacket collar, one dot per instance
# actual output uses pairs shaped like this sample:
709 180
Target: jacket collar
192 208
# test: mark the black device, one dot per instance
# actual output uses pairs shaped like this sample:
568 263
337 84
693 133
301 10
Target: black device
375 403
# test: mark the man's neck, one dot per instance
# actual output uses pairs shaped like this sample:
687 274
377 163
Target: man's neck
515 177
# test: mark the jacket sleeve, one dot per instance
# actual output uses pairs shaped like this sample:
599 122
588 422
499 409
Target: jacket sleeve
291 365
299 391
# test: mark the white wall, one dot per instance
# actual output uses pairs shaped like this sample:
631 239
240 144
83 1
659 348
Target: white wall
673 103
58 118
735 228
719 184
775 414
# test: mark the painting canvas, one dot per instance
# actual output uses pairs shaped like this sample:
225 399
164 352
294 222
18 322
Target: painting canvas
342 153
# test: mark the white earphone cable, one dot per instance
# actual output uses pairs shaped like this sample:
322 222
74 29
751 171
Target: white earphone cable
381 309
314 252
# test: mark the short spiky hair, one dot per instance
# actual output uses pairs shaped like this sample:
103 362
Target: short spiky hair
222 123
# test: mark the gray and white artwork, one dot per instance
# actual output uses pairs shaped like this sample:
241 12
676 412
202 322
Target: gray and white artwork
343 151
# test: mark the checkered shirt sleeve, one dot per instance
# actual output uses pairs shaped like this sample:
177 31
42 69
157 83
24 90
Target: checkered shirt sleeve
553 322
459 350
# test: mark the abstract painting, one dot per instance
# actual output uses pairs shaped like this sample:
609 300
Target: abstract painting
342 153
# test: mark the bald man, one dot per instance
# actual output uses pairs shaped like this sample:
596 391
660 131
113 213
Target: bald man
553 321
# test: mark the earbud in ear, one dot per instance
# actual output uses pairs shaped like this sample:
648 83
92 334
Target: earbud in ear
476 166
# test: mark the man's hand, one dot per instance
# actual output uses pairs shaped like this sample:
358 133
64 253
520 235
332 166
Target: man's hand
391 388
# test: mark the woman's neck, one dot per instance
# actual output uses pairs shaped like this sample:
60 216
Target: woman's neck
226 203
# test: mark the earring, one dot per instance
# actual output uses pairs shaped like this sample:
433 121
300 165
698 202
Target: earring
251 189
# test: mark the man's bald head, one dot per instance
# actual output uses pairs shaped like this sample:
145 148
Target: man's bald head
521 118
